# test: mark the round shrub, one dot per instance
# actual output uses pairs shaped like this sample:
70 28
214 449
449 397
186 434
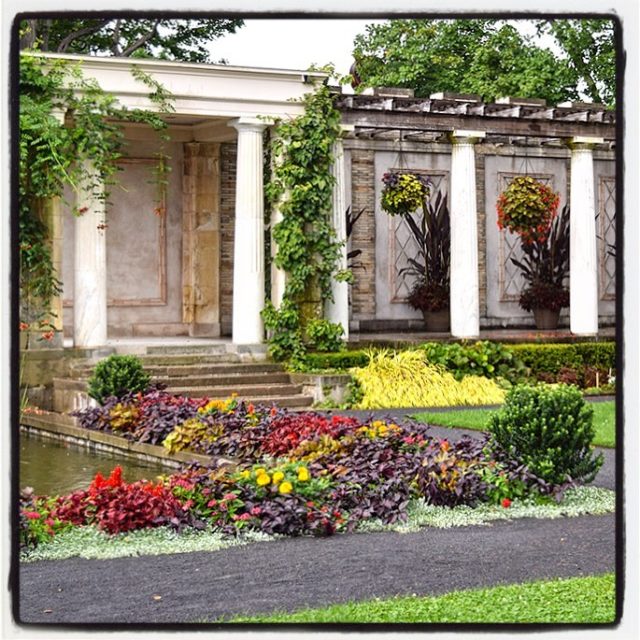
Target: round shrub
549 429
117 375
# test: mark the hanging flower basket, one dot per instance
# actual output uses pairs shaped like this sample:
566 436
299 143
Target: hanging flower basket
527 207
403 193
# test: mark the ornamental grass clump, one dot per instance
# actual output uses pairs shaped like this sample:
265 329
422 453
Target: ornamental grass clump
550 430
406 379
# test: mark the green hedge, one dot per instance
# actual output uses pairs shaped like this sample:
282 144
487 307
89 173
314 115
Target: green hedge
550 358
339 360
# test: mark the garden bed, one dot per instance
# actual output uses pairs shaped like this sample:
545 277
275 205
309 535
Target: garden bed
302 473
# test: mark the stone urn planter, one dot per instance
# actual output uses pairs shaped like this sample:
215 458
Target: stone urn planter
437 321
546 319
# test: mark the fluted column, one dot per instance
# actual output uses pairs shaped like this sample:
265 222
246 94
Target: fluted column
90 265
248 251
583 252
338 309
465 292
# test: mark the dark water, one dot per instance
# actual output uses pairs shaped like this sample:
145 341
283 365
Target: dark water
53 468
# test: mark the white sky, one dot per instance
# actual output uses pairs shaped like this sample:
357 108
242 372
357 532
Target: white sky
291 44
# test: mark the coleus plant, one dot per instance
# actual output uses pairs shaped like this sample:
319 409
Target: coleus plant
527 207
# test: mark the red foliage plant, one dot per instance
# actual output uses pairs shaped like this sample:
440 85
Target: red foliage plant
116 506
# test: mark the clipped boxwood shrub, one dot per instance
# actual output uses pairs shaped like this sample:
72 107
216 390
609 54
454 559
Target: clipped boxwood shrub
550 430
117 375
598 354
340 360
551 358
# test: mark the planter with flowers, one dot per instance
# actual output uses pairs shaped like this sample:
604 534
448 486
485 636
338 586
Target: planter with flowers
527 207
404 192
545 268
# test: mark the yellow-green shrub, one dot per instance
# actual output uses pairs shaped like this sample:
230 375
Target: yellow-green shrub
405 379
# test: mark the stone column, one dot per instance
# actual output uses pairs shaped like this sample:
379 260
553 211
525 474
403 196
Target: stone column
465 293
338 309
248 256
583 254
90 265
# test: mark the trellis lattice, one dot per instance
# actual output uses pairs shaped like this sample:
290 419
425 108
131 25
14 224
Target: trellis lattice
402 243
510 280
607 237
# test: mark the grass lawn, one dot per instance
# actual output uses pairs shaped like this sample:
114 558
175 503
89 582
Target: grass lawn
604 420
573 600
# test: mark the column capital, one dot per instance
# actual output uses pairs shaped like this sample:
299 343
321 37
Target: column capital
346 130
257 125
583 142
464 136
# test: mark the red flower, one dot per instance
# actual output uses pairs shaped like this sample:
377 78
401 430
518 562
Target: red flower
24 326
48 335
32 515
506 503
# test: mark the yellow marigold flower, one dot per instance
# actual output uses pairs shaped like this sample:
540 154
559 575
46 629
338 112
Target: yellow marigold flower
245 474
303 474
263 479
277 477
286 487
260 471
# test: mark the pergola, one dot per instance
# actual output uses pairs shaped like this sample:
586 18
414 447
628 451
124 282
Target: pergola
464 120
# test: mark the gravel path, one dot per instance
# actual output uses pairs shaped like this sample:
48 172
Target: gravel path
294 573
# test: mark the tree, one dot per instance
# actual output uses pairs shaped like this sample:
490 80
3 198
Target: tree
589 47
488 57
184 40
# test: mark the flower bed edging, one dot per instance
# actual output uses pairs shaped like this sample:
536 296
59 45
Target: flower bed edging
61 427
91 543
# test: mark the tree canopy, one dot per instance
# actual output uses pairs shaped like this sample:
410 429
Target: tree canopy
491 58
589 47
184 40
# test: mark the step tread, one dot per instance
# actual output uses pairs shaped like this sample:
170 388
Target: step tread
225 380
238 389
222 368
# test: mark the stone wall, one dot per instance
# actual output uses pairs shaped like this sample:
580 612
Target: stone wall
376 307
144 249
363 294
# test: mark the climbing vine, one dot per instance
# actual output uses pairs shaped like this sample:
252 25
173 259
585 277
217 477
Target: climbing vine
69 137
307 249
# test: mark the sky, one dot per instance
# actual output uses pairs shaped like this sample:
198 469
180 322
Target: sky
291 44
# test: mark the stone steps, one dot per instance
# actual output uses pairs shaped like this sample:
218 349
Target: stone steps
231 380
212 375
244 391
